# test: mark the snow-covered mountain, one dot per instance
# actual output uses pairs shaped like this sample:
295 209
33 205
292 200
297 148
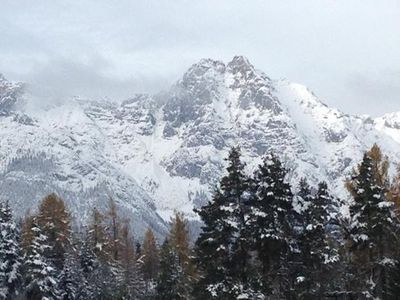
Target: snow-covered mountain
158 153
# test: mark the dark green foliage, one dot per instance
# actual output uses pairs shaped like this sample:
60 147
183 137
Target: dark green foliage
319 255
72 283
222 249
258 241
373 232
41 275
11 258
169 282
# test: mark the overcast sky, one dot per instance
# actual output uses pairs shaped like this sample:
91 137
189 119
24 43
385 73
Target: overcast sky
347 52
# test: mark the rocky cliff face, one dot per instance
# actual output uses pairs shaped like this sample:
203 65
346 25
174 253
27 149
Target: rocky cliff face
158 153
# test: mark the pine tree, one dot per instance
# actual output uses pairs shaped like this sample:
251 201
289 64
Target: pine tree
303 281
54 222
269 226
40 276
318 253
170 276
72 283
88 263
114 229
149 259
130 281
87 258
96 237
374 228
11 258
179 241
103 279
221 249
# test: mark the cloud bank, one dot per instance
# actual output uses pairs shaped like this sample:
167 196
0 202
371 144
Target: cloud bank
345 51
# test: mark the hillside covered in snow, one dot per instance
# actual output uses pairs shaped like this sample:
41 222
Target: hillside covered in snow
154 154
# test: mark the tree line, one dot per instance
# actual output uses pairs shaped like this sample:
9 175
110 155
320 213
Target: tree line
261 238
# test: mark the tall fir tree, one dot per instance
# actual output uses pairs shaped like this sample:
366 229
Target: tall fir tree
130 281
96 237
222 254
11 258
170 278
114 230
319 254
269 225
40 276
102 264
373 230
149 259
72 282
88 263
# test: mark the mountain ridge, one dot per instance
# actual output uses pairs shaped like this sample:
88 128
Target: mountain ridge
164 152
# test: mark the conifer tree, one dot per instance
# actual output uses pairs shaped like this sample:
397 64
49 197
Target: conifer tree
87 258
72 283
54 222
104 267
318 254
96 237
88 263
26 232
221 249
270 227
304 198
170 276
149 259
11 258
374 228
130 281
179 241
114 229
394 192
40 277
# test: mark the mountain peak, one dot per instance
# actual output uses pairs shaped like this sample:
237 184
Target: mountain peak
240 63
9 93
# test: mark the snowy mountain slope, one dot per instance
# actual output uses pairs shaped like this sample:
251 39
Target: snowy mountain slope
159 153
62 150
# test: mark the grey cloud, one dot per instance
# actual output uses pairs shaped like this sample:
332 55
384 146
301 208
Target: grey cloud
106 48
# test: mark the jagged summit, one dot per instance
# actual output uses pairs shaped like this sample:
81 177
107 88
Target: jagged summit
156 154
9 94
240 64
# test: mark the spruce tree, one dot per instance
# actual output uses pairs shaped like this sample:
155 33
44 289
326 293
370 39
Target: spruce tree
11 258
96 238
149 259
373 230
40 276
72 283
103 279
130 281
319 255
88 263
303 281
87 258
114 228
170 276
221 249
269 225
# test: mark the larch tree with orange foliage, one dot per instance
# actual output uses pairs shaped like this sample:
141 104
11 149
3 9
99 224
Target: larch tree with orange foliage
55 223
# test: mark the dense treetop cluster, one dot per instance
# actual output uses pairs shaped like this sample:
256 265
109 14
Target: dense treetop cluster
261 238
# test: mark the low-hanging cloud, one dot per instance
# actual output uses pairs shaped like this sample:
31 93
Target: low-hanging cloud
343 50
